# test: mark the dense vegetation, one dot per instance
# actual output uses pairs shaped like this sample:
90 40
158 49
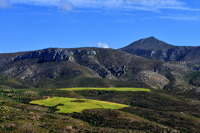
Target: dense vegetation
155 111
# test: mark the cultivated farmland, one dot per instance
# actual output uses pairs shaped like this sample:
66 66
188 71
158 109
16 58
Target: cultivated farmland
70 105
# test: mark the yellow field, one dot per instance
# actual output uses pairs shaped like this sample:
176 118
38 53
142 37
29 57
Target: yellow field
77 105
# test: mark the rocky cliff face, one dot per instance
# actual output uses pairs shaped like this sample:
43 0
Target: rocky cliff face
47 55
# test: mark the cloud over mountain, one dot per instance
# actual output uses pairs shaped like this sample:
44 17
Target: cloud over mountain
103 45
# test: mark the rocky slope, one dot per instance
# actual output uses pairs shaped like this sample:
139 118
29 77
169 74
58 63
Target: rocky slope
153 48
56 65
183 57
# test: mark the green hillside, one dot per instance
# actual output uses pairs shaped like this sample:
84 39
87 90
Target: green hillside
99 110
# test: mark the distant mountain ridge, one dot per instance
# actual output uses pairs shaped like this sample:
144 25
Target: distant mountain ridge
172 67
149 43
153 48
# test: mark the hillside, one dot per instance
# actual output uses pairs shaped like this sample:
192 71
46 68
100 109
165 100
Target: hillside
154 111
77 67
62 65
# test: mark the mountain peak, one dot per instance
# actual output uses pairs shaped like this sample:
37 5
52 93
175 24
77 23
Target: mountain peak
149 43
150 39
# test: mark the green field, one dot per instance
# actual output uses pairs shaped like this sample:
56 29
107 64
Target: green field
71 105
108 89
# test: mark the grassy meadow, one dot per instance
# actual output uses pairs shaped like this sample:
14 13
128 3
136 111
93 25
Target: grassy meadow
108 89
70 105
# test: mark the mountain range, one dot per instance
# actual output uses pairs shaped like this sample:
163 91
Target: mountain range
168 101
155 49
146 63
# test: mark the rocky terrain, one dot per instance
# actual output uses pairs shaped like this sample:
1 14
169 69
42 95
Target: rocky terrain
148 63
155 49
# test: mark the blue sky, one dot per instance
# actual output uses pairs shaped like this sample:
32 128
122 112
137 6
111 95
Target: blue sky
37 24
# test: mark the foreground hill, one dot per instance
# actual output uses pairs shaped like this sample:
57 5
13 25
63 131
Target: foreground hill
154 111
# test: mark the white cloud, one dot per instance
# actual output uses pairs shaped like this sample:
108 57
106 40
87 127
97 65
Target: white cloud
103 45
157 4
64 5
5 4
37 2
150 5
182 17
